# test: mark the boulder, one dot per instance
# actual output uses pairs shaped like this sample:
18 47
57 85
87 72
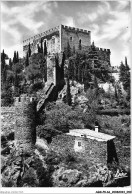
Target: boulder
66 177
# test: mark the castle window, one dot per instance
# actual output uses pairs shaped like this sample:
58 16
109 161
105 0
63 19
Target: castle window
79 144
80 41
71 38
53 40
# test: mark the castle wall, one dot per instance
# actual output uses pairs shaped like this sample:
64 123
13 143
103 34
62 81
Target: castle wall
104 54
53 44
57 39
91 150
47 35
51 69
73 35
25 128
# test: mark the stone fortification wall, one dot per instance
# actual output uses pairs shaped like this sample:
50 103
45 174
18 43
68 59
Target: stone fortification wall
104 54
51 69
73 36
25 129
50 36
92 151
41 35
57 38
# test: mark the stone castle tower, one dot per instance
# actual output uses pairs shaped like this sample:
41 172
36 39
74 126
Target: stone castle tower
25 129
57 38
56 41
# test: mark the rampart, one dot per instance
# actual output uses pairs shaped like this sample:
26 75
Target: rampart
50 31
75 29
25 128
38 36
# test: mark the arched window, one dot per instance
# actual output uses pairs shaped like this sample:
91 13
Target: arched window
80 41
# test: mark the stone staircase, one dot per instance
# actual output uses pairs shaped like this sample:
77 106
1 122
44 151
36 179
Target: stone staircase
48 90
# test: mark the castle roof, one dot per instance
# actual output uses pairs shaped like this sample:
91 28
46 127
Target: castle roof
90 134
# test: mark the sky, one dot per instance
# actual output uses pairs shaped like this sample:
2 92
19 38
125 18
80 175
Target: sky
108 21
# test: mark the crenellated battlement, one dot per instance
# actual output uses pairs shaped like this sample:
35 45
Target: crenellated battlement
103 49
75 29
23 100
37 36
50 31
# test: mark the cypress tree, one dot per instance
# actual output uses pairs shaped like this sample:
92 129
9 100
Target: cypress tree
62 66
39 49
116 95
2 61
17 57
27 60
29 50
41 45
10 63
80 46
68 94
45 49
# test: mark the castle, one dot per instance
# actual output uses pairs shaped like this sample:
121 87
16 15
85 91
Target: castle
26 108
57 39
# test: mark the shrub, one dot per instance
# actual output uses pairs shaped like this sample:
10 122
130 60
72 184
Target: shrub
62 117
7 97
52 158
113 126
35 87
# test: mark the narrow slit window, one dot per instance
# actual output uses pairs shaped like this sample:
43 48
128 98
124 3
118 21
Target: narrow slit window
79 144
71 38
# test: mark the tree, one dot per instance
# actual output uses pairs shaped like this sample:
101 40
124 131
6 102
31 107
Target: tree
2 60
15 57
3 69
41 49
10 63
92 107
124 77
59 118
36 68
80 46
68 94
45 49
29 50
27 60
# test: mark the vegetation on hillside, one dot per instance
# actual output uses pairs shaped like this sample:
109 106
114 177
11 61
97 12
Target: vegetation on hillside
27 76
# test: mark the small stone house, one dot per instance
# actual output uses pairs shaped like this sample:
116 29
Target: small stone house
91 145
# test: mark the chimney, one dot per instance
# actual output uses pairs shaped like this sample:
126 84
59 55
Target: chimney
96 126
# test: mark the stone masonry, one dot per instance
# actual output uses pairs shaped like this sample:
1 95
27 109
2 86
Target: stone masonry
90 150
57 38
25 129
56 41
